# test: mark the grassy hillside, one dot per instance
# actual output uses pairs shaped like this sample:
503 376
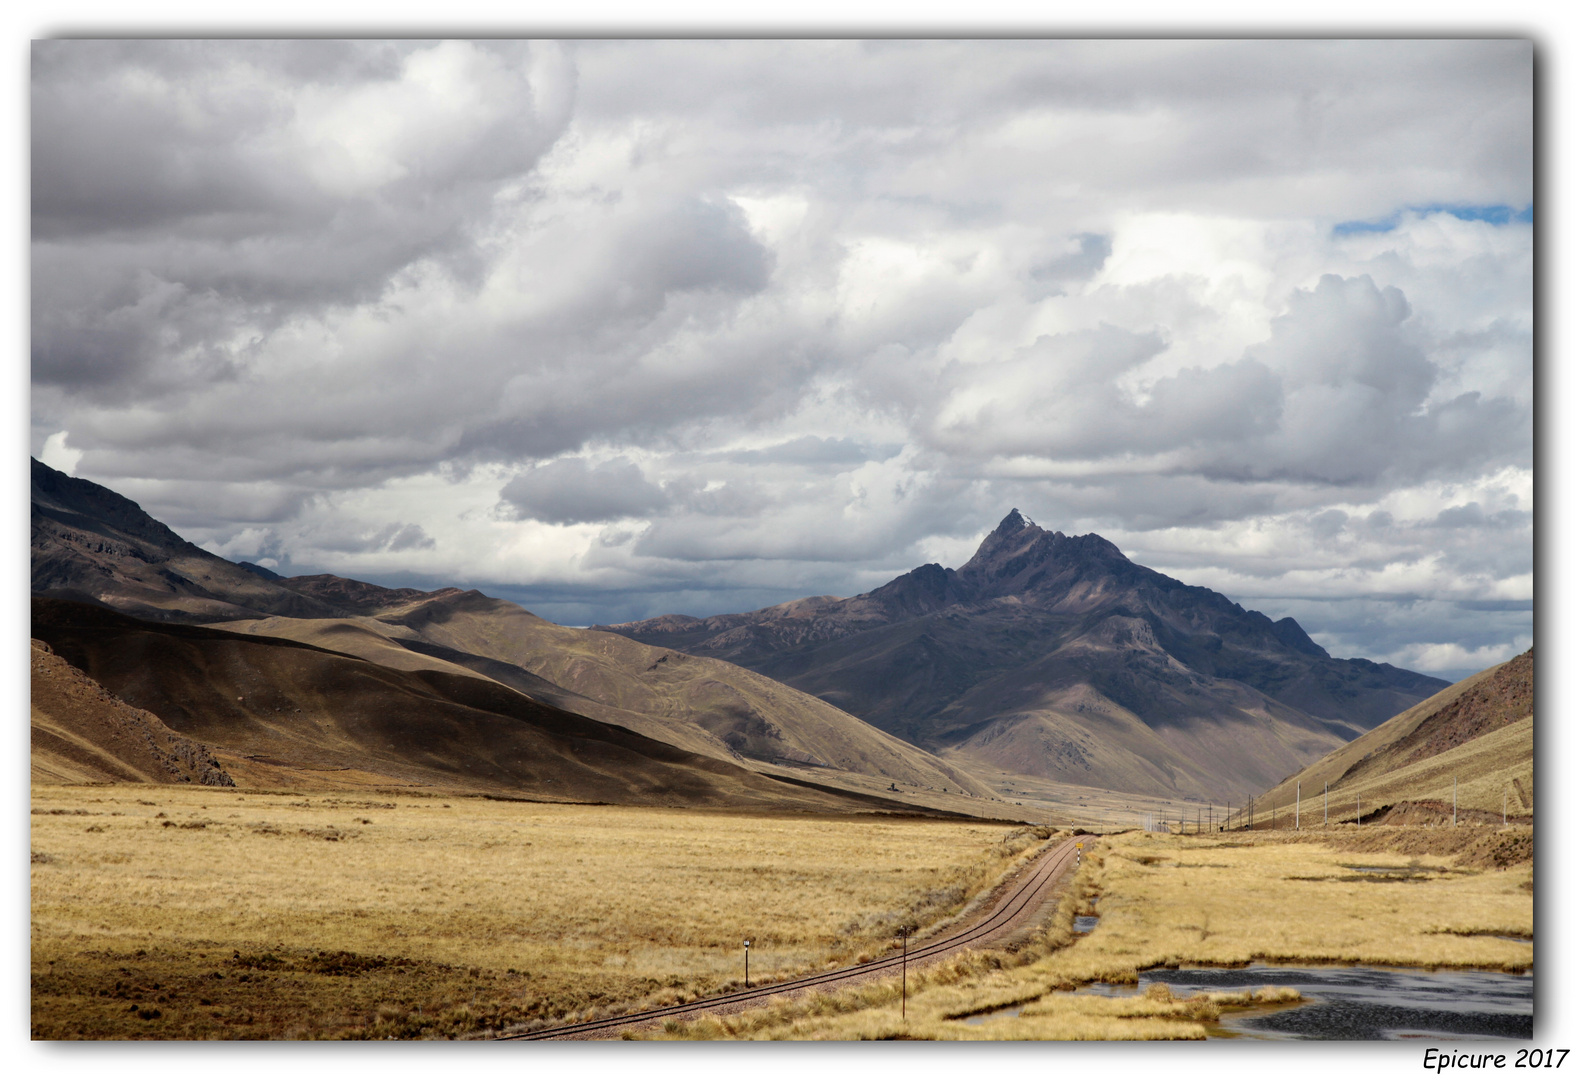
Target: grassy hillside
1470 745
83 734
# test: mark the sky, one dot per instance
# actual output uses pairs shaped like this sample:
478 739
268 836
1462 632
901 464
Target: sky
620 328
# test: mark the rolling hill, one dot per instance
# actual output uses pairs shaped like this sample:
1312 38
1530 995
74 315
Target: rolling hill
1466 750
1058 657
94 546
703 705
269 709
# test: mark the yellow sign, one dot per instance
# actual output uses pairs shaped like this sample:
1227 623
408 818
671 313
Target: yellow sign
1078 845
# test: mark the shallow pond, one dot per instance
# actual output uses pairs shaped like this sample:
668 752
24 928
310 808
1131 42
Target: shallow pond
1364 1002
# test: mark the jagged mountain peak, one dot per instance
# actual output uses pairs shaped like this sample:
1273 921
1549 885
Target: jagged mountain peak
1019 554
1291 633
1014 522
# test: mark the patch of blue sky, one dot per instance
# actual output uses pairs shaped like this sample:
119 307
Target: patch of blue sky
1494 215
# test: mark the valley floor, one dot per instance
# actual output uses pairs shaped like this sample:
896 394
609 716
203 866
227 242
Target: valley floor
200 913
181 912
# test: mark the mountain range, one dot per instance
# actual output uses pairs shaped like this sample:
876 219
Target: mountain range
1043 656
1057 656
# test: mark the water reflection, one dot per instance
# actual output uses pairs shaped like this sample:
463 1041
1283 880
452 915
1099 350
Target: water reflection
1365 1002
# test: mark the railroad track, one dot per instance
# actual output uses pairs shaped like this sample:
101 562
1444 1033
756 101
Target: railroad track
1007 915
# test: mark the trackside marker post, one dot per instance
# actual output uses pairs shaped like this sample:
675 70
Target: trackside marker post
905 933
746 961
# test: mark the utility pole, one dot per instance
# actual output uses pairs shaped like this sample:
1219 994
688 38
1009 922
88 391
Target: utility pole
1298 806
1358 811
1454 799
1506 808
1325 806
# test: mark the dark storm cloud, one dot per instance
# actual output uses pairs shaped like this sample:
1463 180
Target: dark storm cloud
812 450
188 193
571 492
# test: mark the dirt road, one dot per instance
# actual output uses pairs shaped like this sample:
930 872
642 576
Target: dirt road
1015 907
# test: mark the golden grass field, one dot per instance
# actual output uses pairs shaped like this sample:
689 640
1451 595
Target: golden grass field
183 912
1177 900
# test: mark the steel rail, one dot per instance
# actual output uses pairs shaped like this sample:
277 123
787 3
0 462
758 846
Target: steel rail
1047 869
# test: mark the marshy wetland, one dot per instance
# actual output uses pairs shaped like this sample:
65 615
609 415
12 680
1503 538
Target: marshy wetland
1460 904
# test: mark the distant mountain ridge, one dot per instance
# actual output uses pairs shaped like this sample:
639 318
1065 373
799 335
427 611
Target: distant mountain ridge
1058 656
91 544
